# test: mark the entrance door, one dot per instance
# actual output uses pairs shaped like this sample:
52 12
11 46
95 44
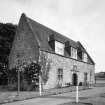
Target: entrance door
74 79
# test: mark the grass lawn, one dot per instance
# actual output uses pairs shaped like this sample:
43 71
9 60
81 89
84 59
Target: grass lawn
10 96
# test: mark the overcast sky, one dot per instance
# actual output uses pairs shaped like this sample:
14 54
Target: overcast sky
82 20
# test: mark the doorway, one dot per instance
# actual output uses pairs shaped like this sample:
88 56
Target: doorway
74 79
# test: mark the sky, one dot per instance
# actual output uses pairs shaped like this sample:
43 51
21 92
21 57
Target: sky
80 20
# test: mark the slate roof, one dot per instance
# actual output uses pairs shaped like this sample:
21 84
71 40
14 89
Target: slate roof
42 34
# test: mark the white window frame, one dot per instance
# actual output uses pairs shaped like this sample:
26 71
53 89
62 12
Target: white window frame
60 74
73 53
59 48
85 58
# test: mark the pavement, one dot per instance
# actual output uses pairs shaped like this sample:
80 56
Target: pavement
90 95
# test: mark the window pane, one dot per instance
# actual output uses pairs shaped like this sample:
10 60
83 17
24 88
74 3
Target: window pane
84 57
73 53
60 74
59 48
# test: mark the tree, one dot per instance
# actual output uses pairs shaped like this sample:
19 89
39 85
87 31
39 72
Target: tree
3 74
7 33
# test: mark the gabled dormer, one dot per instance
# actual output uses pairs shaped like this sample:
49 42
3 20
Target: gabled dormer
72 51
57 46
82 53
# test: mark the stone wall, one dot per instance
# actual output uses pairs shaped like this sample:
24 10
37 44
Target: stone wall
67 64
25 47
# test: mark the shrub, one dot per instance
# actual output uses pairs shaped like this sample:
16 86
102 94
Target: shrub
29 77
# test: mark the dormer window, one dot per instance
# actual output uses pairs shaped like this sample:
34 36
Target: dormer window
59 48
73 53
85 59
71 50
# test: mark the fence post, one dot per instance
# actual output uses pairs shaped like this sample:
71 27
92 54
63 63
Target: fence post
77 97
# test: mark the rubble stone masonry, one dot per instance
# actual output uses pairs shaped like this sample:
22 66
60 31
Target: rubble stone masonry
58 61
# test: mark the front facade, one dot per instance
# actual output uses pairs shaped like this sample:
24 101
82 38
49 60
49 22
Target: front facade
62 59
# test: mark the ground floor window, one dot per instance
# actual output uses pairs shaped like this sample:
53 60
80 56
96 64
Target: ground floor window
60 74
60 77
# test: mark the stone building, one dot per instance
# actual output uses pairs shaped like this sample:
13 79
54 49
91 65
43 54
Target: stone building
62 59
